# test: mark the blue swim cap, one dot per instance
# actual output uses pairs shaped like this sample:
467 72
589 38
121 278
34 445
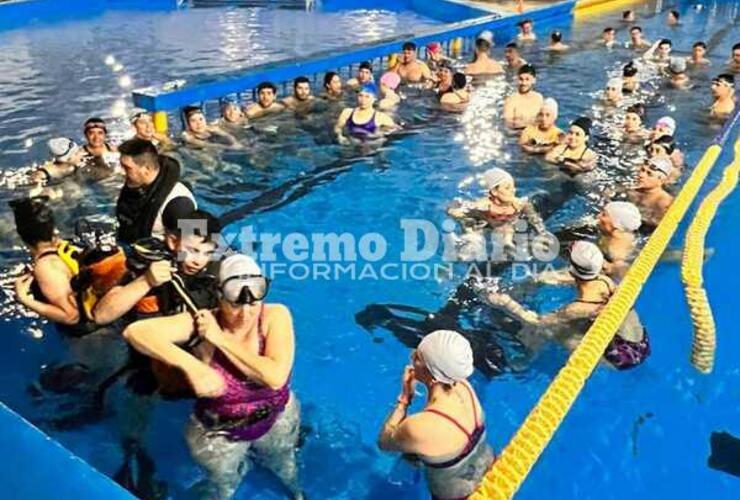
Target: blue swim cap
370 88
228 99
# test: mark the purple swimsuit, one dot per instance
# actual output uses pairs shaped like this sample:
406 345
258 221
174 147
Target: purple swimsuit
247 410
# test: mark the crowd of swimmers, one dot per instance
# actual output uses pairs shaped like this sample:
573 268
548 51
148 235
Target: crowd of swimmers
201 328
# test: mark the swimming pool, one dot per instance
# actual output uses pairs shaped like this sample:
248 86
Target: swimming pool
643 433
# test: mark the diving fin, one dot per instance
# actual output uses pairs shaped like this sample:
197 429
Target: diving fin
725 454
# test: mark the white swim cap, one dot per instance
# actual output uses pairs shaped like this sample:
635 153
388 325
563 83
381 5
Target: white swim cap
494 177
61 148
624 215
615 83
447 355
551 104
586 260
668 123
661 164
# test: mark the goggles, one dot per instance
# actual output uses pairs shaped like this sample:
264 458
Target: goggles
244 289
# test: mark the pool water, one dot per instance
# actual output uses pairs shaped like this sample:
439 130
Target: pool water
642 433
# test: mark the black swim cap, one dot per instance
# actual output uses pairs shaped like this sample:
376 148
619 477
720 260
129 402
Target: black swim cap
556 36
629 69
666 142
584 123
725 78
637 109
34 220
511 45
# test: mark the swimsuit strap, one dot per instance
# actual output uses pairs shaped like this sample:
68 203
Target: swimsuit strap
472 402
261 330
452 421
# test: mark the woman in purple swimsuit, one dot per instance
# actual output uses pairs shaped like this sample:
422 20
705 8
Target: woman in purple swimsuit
240 373
363 122
449 434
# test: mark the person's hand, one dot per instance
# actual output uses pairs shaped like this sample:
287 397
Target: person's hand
39 177
206 382
23 288
408 383
343 141
159 273
498 299
207 326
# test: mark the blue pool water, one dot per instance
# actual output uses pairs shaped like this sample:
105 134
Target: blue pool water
643 433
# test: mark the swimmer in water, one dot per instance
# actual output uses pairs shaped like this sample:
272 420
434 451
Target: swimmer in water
521 108
141 121
245 409
199 135
613 96
363 122
452 88
637 42
449 434
650 195
100 155
630 346
659 53
333 87
628 16
734 65
409 68
556 42
389 82
723 92
482 63
526 32
301 100
364 76
633 130
499 211
698 55
66 158
544 135
618 223
672 18
608 37
514 59
664 147
233 120
45 288
435 56
574 156
266 102
630 82
679 79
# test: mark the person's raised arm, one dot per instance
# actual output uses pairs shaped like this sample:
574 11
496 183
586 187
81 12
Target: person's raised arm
271 369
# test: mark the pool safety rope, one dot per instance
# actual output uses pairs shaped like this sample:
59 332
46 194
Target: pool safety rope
705 339
511 468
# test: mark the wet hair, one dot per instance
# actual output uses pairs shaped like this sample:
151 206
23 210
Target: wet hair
34 220
736 47
189 111
725 77
629 69
704 45
608 29
299 80
666 142
626 14
328 77
637 109
95 122
143 152
171 218
409 46
482 44
512 45
633 28
459 81
665 41
675 14
527 69
556 36
366 65
525 21
267 85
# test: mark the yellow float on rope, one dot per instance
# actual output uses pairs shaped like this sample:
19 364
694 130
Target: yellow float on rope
705 336
160 121
392 61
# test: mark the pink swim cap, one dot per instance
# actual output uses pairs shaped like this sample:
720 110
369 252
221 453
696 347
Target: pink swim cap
434 47
391 80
